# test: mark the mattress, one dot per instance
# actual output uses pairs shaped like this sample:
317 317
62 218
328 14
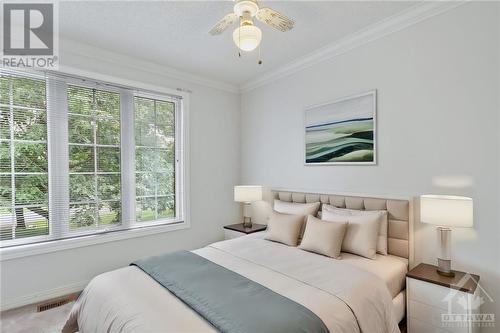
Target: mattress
399 305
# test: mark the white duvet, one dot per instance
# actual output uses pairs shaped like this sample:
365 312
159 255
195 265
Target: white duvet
346 298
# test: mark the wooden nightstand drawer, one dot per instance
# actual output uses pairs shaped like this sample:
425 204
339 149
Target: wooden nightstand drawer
438 296
428 293
431 316
230 234
425 313
419 326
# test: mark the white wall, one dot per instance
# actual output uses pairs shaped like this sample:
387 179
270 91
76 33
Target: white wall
215 169
438 127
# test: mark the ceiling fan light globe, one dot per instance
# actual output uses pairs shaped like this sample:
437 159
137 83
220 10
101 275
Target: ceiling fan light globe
247 37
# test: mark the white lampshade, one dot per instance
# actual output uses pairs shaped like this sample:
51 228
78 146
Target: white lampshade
247 37
247 193
446 210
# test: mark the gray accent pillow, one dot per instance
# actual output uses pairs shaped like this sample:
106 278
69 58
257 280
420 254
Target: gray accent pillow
323 237
361 235
284 228
382 234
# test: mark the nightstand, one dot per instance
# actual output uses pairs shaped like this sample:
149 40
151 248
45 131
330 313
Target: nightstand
237 230
440 304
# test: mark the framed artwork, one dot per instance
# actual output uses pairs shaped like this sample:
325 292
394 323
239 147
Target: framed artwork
342 131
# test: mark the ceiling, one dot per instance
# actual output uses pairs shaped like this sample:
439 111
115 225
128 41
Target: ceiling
175 33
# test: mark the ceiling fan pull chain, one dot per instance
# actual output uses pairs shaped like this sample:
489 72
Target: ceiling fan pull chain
239 40
260 58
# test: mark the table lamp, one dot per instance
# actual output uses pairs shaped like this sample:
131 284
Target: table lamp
446 211
247 194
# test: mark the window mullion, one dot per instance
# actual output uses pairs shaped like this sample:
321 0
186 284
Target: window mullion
155 145
57 128
179 159
127 142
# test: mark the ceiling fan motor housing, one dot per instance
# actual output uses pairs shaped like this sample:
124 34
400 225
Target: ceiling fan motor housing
246 8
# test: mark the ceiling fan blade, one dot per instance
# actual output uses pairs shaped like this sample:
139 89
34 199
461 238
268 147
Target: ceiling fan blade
274 19
223 24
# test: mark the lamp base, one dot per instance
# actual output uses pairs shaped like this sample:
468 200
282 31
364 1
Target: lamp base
247 222
247 215
444 268
447 274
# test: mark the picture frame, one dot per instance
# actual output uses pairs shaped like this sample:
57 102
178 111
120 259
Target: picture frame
342 132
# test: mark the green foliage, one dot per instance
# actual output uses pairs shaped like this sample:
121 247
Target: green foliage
108 187
5 157
26 92
31 189
30 157
30 125
82 188
5 190
4 123
80 129
82 216
108 159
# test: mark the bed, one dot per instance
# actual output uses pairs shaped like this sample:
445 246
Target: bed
354 294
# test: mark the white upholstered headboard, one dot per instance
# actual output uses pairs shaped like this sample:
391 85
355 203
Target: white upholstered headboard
400 239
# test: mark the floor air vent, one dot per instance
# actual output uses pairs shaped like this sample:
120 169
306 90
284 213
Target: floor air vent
54 304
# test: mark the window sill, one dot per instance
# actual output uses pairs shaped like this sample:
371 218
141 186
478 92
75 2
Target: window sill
71 243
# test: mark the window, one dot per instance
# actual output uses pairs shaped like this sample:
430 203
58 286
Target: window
94 158
154 158
80 157
23 159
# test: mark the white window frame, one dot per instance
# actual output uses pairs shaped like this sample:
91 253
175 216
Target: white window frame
59 172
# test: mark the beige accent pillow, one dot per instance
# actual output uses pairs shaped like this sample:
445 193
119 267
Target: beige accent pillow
361 235
323 237
284 228
382 234
297 208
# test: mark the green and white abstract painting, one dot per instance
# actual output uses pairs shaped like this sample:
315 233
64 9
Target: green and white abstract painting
342 132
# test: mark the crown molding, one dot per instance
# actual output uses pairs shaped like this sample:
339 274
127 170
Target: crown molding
392 24
83 50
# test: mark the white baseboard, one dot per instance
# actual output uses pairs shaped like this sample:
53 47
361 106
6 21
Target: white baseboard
41 296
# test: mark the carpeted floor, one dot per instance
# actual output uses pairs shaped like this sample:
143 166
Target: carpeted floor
27 320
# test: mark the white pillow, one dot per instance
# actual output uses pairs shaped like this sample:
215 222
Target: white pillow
323 237
284 228
297 208
361 235
382 234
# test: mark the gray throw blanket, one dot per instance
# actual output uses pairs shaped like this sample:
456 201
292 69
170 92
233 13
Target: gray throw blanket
229 301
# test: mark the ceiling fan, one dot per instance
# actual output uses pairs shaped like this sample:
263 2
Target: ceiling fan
248 36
